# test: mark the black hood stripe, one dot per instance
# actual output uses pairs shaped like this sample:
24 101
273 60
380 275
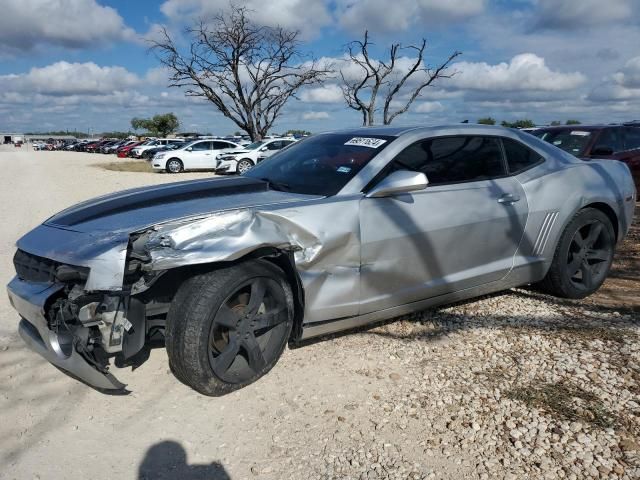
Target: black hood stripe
156 195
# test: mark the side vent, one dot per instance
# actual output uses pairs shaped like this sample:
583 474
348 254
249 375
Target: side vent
544 233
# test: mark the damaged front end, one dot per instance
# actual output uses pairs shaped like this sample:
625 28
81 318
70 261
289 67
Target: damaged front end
75 330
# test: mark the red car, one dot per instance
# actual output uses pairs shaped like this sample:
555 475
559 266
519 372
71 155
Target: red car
616 142
123 152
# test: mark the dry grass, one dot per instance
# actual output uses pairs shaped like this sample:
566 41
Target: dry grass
566 401
127 166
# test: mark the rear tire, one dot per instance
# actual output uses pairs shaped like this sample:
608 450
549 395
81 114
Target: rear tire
583 256
227 328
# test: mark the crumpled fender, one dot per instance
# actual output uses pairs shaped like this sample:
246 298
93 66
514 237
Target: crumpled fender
228 236
323 237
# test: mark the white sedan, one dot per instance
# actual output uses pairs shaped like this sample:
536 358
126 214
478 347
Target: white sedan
198 155
242 160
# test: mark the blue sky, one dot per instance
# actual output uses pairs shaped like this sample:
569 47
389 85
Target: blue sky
80 64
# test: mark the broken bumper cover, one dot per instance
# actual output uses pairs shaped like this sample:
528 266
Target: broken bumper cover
29 300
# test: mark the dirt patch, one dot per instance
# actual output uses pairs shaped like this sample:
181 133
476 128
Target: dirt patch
622 288
127 166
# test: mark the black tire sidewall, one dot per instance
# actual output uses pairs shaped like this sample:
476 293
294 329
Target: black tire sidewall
191 317
558 271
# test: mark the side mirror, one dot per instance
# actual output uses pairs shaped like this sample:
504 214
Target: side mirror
263 149
189 149
401 181
602 150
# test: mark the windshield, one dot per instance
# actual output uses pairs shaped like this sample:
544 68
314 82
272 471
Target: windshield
253 146
574 142
320 165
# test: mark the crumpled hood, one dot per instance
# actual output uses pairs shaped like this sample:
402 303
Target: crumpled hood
131 210
96 233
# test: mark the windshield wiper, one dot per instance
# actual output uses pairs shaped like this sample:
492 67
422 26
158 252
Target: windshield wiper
280 186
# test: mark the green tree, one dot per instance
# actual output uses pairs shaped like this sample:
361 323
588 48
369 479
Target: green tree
522 123
487 121
160 125
573 122
556 123
297 132
137 123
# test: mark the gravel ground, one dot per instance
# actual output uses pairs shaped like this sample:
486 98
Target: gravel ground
515 385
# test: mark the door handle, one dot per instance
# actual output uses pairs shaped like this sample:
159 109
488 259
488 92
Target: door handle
508 199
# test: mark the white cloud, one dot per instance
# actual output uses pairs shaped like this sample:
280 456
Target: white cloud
158 76
429 107
66 79
329 93
307 16
578 14
621 86
380 15
525 72
629 75
66 23
315 116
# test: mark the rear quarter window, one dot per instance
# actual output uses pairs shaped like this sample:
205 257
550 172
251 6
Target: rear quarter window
519 156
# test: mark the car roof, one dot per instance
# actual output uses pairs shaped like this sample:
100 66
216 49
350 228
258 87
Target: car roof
589 128
446 129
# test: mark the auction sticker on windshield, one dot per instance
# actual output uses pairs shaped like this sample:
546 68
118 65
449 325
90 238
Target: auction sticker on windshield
366 142
580 133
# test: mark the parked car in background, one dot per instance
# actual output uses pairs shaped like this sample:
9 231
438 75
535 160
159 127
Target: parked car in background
106 147
149 144
92 147
198 155
123 152
151 152
615 142
338 231
240 161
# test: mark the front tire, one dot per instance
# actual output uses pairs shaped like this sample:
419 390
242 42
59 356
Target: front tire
174 165
243 166
583 256
227 328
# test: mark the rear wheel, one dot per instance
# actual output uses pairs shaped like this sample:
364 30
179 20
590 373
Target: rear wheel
174 165
244 165
583 256
227 328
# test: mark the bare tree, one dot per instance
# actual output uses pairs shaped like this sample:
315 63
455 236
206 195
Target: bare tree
383 77
247 71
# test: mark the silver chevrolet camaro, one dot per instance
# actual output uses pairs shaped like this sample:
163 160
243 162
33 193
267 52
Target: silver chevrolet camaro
340 230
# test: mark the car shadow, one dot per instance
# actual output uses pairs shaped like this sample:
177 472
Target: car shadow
168 460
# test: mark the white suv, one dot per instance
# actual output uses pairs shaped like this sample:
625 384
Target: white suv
158 142
239 161
198 155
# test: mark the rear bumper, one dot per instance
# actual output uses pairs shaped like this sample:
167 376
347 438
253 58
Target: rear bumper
29 299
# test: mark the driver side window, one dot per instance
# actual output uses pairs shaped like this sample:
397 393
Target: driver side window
200 146
453 159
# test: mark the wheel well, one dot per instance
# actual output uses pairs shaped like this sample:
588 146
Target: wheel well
167 285
609 212
248 160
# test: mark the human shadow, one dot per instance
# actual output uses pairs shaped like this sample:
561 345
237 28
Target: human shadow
168 460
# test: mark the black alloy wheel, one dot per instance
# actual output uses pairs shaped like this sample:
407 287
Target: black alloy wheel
243 330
